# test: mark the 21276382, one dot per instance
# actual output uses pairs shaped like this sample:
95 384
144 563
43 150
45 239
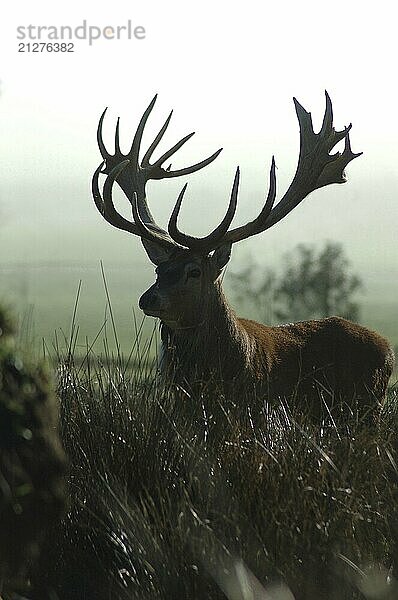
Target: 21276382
46 47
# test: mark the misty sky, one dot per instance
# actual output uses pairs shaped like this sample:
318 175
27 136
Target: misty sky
230 71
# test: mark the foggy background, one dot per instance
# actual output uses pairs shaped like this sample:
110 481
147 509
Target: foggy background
229 71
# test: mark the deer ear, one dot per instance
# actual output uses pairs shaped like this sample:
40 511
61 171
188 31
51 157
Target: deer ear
156 253
221 255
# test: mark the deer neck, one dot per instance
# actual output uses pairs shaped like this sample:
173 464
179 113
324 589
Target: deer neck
212 346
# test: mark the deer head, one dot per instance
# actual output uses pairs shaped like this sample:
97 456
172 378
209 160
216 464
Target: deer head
188 268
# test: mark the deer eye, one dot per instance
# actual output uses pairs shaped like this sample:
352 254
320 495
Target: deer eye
194 273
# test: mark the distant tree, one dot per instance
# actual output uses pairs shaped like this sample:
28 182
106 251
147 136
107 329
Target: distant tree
254 289
312 284
317 284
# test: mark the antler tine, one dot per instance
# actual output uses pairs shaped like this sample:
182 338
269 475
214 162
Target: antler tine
304 118
104 153
99 202
172 150
147 232
117 137
258 224
107 209
135 146
328 116
152 147
210 241
193 168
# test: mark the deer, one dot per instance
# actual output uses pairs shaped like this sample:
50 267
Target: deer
202 338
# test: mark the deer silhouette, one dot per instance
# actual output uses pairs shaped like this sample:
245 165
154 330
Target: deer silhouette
202 338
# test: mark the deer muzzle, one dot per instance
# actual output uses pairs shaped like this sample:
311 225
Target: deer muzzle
151 302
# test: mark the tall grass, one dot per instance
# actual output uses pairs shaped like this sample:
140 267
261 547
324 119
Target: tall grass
175 496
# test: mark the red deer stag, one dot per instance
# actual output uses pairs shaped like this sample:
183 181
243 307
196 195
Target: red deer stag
202 337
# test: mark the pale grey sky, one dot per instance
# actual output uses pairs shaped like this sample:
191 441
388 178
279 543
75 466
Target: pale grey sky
229 70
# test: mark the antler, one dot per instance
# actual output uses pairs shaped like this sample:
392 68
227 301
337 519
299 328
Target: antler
316 168
133 177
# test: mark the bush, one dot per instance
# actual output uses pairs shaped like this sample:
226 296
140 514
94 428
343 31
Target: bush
32 463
